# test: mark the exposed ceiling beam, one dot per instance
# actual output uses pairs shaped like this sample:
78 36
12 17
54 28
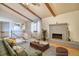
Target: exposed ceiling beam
50 9
29 10
16 12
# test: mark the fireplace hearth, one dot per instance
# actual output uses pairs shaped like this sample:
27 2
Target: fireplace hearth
56 36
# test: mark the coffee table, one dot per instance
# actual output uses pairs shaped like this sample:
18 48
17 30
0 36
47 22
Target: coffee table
38 46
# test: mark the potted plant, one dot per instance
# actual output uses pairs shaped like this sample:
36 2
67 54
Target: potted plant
44 32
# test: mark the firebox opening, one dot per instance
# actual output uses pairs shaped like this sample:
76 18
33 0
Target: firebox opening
57 36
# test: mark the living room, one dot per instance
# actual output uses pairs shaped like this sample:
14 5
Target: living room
39 29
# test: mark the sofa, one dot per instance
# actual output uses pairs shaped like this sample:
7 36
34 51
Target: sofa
25 52
11 51
3 51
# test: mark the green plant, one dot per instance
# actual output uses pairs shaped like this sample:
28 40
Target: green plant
44 34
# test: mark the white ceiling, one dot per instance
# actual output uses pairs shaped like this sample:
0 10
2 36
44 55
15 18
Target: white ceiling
9 14
60 8
41 10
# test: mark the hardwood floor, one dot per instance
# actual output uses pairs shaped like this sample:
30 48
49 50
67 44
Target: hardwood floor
71 51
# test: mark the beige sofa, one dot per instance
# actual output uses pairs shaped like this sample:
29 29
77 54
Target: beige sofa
11 50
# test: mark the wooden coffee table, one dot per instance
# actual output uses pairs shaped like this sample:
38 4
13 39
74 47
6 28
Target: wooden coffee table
38 46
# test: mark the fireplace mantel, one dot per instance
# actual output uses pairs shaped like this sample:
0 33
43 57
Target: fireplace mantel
59 31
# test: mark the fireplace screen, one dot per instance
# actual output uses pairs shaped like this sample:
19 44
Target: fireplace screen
57 36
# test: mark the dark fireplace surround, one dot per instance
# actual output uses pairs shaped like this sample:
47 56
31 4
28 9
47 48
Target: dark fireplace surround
56 36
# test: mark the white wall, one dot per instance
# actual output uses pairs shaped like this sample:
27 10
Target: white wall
72 18
28 28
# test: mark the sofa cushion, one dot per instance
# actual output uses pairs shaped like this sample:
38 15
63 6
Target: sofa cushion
20 51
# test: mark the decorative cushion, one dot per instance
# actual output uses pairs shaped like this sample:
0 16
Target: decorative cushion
17 48
11 41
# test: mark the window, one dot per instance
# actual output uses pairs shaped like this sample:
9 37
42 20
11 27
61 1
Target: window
17 29
35 26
